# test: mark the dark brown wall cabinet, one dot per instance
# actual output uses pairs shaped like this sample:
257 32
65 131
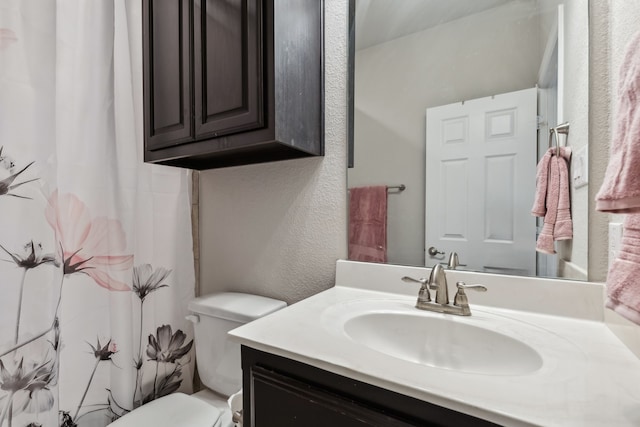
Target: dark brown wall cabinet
286 393
231 82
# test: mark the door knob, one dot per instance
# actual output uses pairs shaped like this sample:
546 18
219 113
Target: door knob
432 251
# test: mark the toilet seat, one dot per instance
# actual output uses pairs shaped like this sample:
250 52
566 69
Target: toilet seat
219 402
177 409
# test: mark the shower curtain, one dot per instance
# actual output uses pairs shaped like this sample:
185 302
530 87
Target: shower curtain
96 261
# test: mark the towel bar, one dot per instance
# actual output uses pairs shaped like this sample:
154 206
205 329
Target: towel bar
562 129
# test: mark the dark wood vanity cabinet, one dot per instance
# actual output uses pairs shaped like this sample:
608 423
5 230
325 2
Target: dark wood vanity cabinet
286 393
231 82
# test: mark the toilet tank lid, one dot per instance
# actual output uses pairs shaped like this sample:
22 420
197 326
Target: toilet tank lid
235 306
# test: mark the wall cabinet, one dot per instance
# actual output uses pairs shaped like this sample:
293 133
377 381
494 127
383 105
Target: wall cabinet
286 393
230 82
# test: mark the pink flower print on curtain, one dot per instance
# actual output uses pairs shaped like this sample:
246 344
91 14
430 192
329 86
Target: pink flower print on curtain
93 247
7 38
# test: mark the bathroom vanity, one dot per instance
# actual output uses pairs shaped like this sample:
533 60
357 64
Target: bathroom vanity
361 354
285 392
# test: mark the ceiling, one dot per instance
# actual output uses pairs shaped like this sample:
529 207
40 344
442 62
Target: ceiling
378 21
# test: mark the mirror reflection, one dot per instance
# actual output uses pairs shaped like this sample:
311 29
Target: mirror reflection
453 106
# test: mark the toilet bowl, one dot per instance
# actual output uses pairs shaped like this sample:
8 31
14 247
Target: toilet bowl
218 361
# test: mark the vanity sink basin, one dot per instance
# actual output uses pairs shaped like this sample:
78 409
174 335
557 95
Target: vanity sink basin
479 344
443 343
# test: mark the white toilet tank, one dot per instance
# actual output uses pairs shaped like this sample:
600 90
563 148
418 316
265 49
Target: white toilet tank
218 359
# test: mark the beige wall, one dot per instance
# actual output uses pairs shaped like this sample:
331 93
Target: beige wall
277 229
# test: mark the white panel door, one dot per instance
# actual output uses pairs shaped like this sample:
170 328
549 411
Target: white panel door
480 182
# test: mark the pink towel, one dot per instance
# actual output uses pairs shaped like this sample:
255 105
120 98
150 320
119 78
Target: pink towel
623 280
620 191
564 224
368 224
542 179
545 239
552 199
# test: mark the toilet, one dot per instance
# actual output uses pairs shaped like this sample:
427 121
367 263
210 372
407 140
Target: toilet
218 361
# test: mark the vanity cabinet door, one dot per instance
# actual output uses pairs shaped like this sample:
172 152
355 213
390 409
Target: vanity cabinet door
287 393
279 400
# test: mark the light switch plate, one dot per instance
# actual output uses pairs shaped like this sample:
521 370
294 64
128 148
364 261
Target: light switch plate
580 167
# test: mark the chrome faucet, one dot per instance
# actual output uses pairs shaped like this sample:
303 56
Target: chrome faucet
438 281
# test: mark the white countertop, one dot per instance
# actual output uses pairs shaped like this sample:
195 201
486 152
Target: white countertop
589 378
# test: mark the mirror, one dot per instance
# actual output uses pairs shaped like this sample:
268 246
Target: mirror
440 73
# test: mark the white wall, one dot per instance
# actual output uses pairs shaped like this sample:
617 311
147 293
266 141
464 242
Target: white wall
397 81
574 253
277 229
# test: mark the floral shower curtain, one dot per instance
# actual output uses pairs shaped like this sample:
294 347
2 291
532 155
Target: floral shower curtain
96 263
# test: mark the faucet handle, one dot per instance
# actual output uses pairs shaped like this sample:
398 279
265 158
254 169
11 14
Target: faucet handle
423 295
462 286
421 280
461 297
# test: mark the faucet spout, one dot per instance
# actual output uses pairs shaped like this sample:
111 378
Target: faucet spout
438 281
453 261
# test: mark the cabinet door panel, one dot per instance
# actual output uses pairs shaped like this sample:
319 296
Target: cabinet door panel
228 70
287 393
279 400
167 76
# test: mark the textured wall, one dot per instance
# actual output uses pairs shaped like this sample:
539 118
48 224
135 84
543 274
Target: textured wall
277 229
599 132
574 253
